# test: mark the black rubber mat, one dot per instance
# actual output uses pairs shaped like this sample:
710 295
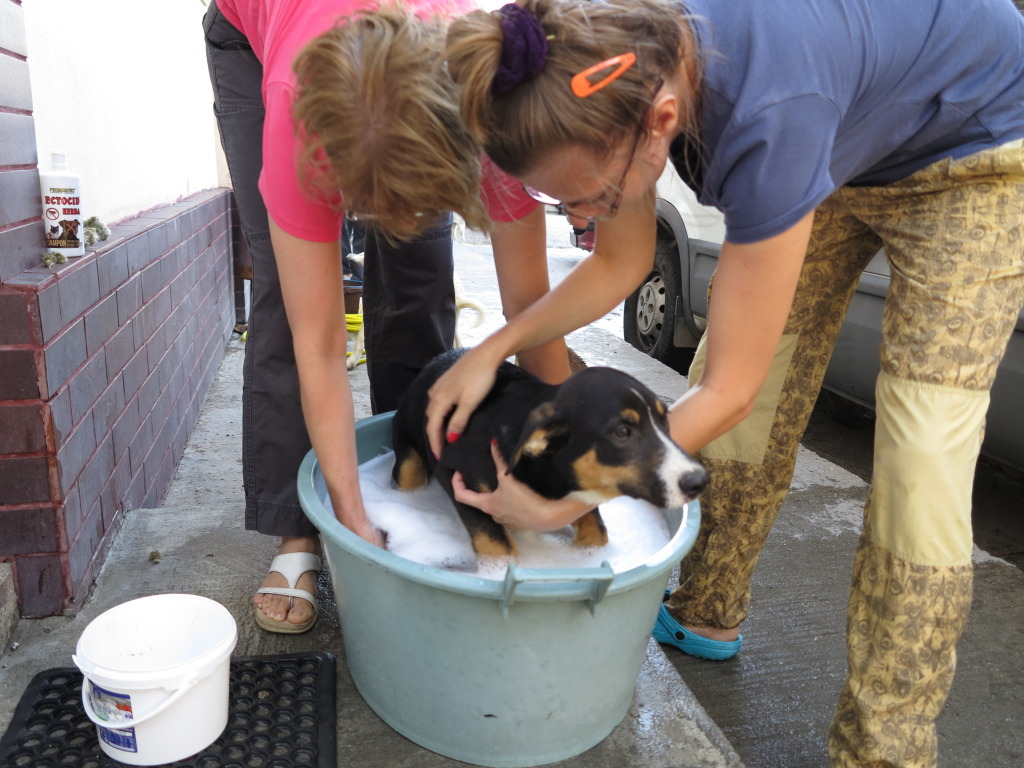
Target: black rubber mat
281 715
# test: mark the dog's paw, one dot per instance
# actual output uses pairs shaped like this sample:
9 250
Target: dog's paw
410 472
590 530
488 544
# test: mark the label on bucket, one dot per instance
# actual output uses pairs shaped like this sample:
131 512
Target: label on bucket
115 708
123 740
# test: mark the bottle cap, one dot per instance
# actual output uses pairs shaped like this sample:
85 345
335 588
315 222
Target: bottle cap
58 160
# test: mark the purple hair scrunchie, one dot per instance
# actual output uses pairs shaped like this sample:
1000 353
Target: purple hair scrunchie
524 48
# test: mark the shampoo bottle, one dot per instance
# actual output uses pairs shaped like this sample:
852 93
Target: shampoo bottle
63 221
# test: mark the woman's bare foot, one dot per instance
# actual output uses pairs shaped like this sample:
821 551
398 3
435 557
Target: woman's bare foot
276 606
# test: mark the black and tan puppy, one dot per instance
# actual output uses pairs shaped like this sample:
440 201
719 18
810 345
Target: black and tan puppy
599 435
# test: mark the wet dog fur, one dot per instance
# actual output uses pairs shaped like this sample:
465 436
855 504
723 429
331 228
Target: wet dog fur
600 435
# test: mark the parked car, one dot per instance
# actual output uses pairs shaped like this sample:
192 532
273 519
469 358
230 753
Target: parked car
667 314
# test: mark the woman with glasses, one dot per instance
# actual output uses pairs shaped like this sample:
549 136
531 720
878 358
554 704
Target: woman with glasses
327 110
823 131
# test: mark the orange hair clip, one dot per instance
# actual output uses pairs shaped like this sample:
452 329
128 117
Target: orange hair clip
581 85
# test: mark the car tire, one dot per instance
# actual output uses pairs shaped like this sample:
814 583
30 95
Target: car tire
648 318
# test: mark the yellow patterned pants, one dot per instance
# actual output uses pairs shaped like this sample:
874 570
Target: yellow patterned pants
953 235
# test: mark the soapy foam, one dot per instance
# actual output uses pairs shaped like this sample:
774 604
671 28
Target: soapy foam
423 526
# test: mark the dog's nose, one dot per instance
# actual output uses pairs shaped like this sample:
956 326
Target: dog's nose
692 483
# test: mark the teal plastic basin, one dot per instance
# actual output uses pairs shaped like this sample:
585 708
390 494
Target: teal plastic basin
526 671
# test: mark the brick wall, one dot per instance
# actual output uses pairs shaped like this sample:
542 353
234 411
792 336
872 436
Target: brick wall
104 365
104 361
21 227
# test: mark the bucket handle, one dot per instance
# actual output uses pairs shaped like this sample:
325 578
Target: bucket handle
186 686
600 579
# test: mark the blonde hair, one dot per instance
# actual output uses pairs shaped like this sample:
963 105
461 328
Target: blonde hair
379 121
518 127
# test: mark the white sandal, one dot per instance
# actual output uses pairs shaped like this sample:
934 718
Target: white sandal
291 565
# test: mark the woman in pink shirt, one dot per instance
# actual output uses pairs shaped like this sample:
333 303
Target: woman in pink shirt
369 128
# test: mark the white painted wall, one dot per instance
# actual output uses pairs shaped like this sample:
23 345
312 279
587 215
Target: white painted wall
122 87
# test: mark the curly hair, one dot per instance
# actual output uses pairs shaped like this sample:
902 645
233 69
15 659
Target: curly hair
379 120
517 127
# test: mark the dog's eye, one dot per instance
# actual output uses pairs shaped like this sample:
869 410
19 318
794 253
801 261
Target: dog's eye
622 432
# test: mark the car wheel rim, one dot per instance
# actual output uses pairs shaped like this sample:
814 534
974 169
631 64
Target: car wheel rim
650 310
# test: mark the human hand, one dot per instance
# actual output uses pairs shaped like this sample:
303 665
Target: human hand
360 525
459 391
515 505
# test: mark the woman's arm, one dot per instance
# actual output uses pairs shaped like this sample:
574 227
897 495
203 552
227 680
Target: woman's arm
752 296
754 287
620 261
520 261
312 285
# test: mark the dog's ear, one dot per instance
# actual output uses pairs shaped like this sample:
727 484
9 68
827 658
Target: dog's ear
541 433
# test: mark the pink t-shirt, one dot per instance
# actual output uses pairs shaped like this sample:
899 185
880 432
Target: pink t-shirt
277 30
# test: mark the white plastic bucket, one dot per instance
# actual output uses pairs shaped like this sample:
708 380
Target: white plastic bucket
156 676
522 672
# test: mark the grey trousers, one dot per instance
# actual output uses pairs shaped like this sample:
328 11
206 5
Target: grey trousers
408 302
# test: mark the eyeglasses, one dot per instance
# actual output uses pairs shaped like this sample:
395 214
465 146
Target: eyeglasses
600 208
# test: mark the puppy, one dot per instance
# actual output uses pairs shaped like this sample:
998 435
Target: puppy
599 435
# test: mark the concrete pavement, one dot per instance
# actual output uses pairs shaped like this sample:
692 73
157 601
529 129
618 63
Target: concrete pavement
768 707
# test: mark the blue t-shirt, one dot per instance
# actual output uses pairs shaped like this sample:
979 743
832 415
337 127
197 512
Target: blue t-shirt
800 97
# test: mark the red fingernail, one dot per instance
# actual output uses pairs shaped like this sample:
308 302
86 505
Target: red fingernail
452 436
